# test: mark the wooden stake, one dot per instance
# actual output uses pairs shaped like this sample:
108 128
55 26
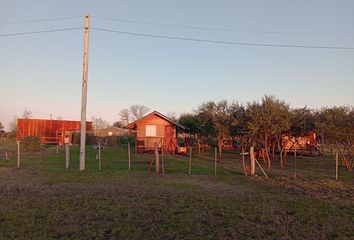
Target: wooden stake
216 159
337 166
84 98
162 161
190 161
157 161
67 156
295 164
129 154
18 154
99 156
253 164
259 165
57 148
6 156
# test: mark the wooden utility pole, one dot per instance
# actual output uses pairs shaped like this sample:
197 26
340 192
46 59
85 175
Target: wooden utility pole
18 154
190 161
129 155
84 97
336 166
295 164
215 159
253 161
157 161
162 161
67 156
99 157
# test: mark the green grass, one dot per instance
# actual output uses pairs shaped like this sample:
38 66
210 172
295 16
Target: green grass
42 200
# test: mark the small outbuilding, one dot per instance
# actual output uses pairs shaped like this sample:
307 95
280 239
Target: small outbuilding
49 131
155 128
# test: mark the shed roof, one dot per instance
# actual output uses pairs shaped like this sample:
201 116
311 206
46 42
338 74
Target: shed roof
131 125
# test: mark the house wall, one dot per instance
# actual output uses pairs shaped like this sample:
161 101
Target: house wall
160 137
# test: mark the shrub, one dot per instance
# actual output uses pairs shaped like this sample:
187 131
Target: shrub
31 144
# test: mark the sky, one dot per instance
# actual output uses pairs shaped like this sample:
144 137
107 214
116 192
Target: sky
43 72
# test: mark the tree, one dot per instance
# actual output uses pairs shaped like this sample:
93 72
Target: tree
172 115
268 121
125 116
337 126
138 111
118 124
27 114
218 115
193 126
99 123
1 127
238 129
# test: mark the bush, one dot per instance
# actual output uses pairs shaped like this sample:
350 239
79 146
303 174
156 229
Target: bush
31 144
123 140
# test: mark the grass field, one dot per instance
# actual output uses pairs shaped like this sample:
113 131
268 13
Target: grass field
43 201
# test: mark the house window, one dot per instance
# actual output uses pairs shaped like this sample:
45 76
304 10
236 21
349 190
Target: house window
151 130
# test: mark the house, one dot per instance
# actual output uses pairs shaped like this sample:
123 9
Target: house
155 128
49 131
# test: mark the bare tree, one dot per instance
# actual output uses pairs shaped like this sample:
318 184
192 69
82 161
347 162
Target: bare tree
99 123
125 116
172 115
27 114
1 127
138 111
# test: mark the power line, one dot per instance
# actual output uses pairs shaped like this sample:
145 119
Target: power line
222 42
39 20
38 32
220 29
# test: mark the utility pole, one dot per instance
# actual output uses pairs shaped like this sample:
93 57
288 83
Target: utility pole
84 97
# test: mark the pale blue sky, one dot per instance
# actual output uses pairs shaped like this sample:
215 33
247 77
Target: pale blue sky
43 72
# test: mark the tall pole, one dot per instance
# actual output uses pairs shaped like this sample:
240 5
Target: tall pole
84 97
253 161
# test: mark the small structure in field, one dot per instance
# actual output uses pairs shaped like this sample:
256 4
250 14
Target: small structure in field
49 131
303 144
155 128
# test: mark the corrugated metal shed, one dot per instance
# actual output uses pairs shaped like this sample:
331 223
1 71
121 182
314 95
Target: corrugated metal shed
49 131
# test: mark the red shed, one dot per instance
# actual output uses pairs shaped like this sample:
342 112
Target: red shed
49 131
155 128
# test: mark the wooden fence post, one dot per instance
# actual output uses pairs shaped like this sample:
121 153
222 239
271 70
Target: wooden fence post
162 161
253 162
129 155
18 154
6 156
215 159
157 161
336 166
67 156
99 156
190 161
57 148
295 164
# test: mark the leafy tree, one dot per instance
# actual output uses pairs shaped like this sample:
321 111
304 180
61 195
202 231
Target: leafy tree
268 121
337 126
193 126
1 127
217 114
239 129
